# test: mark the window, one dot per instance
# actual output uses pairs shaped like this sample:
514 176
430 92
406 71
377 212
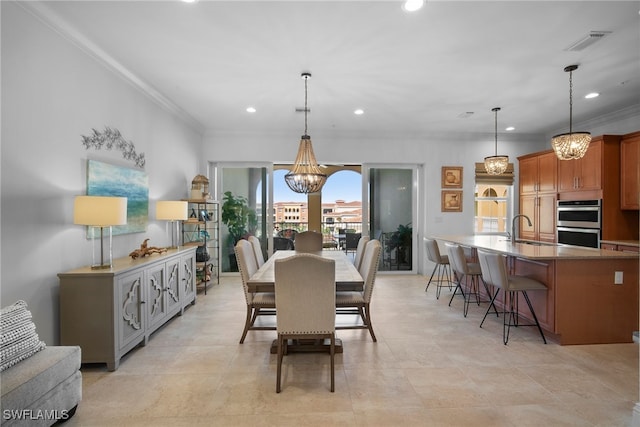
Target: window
493 201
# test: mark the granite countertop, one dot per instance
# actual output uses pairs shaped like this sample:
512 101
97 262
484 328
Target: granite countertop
533 250
635 243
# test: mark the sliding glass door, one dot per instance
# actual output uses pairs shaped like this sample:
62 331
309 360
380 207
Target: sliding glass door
243 192
391 212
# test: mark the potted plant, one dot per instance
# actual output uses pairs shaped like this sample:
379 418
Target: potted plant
401 241
240 220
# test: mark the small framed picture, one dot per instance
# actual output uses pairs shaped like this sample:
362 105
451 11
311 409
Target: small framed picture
452 177
451 201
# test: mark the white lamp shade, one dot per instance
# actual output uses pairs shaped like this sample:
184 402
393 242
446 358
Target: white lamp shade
100 211
171 210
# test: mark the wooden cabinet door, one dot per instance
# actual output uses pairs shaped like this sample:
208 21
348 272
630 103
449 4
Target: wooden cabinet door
156 296
546 217
547 172
528 175
630 172
589 170
130 317
528 207
567 175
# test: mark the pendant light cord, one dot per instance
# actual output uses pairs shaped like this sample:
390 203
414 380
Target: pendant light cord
496 109
305 104
570 102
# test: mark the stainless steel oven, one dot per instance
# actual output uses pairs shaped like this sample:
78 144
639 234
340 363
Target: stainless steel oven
579 222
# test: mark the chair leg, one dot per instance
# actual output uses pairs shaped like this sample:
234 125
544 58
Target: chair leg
368 322
333 353
431 278
457 280
247 324
279 368
493 298
533 313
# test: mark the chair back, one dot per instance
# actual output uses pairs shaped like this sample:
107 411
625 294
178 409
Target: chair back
257 250
282 244
351 241
308 241
362 243
433 252
494 269
246 264
369 267
305 288
457 259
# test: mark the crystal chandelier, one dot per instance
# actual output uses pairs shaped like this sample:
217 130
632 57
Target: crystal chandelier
572 145
496 165
305 177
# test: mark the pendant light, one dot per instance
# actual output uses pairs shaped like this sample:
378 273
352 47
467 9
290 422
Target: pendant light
572 145
496 165
305 177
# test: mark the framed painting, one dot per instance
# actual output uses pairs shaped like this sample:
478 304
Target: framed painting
104 179
451 201
452 177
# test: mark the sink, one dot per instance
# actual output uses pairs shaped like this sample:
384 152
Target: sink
530 242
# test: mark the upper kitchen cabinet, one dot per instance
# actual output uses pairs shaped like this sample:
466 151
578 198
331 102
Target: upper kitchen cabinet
538 173
630 171
597 172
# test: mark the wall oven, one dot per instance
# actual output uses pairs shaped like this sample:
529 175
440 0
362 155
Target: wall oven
579 222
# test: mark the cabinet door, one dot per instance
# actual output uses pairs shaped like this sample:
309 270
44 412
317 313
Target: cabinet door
630 172
567 175
131 317
188 278
528 207
589 175
172 286
156 296
528 175
546 220
547 172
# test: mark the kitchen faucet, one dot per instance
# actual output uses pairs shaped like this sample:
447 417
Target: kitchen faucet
513 226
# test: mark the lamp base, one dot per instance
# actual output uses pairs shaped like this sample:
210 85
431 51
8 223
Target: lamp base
101 267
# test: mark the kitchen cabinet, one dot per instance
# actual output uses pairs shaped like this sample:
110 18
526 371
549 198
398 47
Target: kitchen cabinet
582 174
538 194
630 171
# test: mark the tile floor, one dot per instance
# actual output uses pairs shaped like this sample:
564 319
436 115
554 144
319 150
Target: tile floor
430 367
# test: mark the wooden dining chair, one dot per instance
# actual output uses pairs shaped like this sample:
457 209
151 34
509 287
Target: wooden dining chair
256 302
308 241
305 291
360 302
362 243
257 250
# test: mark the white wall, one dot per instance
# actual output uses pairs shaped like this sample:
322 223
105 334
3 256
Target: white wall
52 93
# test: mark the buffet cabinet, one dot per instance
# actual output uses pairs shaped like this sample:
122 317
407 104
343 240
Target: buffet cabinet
109 312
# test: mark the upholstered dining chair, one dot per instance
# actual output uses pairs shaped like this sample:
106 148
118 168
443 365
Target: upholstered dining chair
308 241
494 272
256 302
469 271
257 250
306 308
442 267
362 243
360 302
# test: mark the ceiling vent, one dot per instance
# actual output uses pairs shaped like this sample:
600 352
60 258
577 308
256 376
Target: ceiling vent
587 40
465 115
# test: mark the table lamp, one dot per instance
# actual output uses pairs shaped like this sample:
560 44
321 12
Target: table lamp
172 211
100 212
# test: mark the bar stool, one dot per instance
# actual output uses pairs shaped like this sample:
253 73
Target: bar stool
442 268
463 269
494 272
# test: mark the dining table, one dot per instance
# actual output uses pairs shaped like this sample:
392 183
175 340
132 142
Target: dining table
347 279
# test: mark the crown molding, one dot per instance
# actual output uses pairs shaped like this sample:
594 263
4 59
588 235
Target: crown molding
44 13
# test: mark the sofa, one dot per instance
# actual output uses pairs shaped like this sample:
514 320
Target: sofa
41 385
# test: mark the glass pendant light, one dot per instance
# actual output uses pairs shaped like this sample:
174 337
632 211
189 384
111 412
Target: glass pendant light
496 165
572 145
305 177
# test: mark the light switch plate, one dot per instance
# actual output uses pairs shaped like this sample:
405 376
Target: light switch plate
617 279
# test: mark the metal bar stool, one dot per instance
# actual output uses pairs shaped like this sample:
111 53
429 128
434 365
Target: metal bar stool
442 268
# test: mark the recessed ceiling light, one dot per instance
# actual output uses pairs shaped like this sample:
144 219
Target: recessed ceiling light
510 128
592 95
251 110
358 112
190 1
412 5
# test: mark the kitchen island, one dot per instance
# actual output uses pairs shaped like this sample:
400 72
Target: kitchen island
584 302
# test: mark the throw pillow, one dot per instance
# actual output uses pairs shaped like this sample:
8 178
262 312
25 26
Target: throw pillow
18 337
